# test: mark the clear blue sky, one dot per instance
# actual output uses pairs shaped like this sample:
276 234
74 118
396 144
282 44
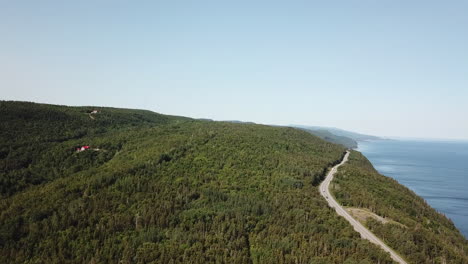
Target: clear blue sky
389 68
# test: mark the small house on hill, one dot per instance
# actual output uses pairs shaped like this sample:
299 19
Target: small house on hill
83 148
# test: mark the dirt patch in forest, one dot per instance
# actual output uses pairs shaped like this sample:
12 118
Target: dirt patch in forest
362 215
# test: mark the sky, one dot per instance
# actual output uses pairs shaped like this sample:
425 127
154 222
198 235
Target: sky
386 68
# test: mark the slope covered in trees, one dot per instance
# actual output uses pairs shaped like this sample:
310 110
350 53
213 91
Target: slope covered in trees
328 136
162 189
36 139
165 189
420 234
340 132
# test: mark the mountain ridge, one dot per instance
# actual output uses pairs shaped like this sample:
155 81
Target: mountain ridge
158 188
341 132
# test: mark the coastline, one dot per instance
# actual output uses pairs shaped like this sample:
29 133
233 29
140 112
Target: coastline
421 178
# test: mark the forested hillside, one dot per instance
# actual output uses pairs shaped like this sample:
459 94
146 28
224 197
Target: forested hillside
416 231
36 139
159 189
328 136
152 188
340 132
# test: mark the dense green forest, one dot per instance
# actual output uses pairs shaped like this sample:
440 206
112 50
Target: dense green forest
330 137
419 233
154 188
165 189
36 139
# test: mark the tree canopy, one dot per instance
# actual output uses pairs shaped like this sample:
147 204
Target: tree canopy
154 188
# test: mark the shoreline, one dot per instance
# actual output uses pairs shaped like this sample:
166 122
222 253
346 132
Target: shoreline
436 200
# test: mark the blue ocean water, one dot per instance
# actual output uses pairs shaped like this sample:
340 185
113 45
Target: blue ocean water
435 170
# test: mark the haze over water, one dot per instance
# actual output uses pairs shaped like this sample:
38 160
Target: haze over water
435 170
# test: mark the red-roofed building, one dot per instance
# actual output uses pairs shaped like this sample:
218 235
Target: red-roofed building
83 148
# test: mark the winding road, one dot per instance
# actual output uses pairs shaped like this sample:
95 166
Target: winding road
365 233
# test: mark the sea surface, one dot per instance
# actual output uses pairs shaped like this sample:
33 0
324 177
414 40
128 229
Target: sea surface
435 170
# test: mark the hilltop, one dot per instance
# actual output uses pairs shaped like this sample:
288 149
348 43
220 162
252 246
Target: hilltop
159 188
349 141
330 137
341 132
